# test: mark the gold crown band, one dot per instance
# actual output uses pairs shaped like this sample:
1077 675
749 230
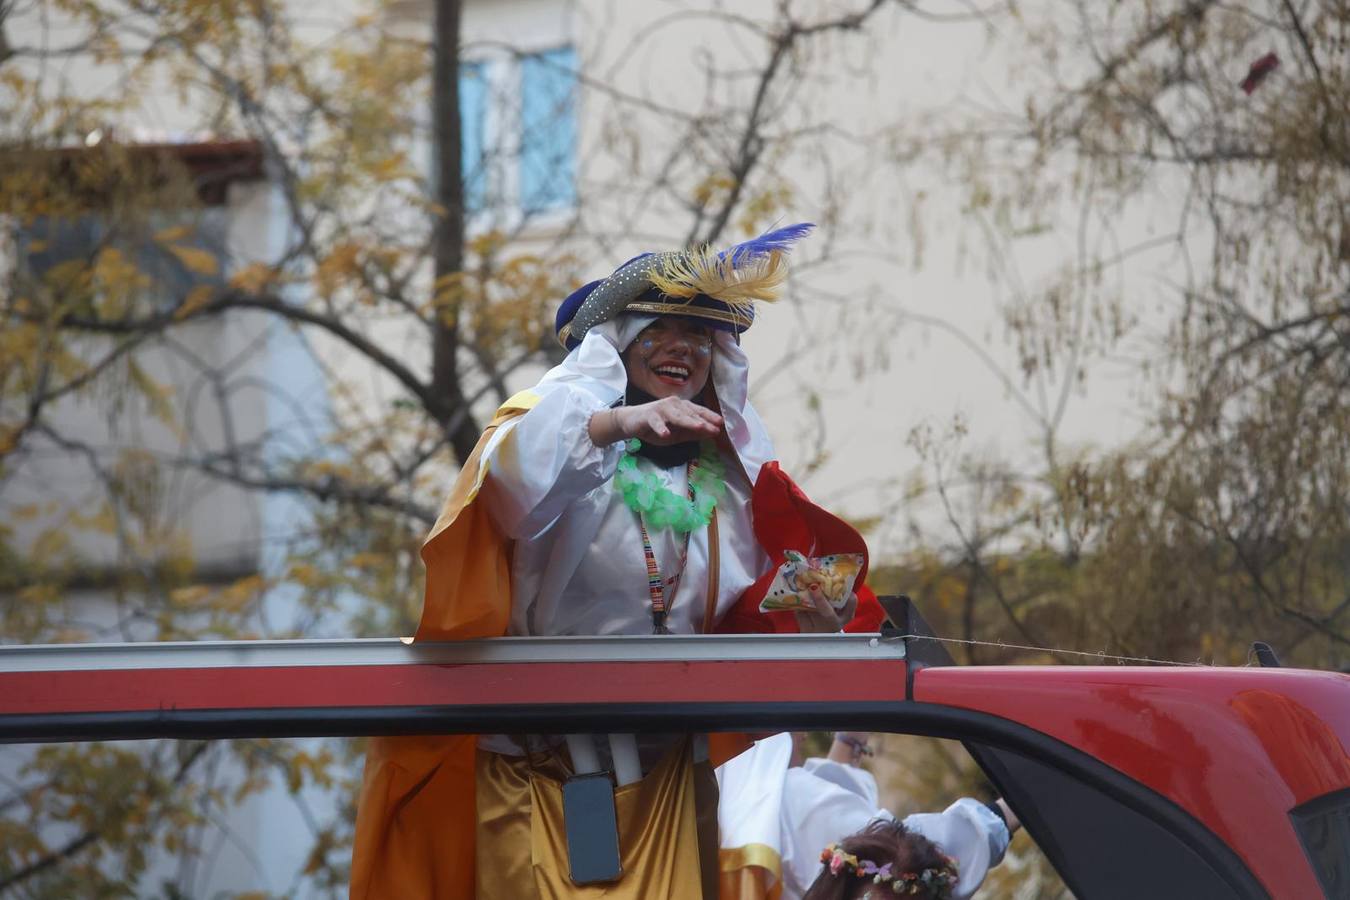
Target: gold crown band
675 309
691 311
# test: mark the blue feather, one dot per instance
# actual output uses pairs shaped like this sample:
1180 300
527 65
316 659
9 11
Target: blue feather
766 243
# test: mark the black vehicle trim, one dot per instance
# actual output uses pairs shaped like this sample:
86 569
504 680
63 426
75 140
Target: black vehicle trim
906 717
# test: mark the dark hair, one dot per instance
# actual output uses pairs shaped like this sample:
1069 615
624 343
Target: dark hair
882 841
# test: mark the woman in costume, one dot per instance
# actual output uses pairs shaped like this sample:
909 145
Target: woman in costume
632 491
776 815
883 861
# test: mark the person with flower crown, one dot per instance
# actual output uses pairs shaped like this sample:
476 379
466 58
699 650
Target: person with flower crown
777 810
633 490
884 861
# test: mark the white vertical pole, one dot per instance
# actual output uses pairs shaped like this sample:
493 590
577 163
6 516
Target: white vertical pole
584 758
627 766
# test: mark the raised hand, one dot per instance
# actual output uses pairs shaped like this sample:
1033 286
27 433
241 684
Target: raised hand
670 420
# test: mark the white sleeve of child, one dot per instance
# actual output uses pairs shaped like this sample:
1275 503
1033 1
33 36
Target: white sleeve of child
969 832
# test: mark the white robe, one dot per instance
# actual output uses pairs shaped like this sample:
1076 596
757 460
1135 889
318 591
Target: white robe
578 566
799 811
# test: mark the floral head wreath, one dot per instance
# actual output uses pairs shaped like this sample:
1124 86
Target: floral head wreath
938 881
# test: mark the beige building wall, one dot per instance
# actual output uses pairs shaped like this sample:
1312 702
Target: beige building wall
893 319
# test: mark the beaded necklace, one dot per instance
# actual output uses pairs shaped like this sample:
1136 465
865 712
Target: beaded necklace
647 495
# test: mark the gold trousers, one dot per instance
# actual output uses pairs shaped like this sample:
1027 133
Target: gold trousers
667 831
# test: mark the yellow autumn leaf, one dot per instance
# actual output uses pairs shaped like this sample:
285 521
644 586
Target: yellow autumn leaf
391 167
196 298
173 233
113 267
711 186
64 275
304 573
156 395
342 264
25 512
240 594
203 262
252 278
38 594
50 543
488 242
189 596
102 521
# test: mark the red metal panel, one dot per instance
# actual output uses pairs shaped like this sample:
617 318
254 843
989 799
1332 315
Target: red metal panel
488 684
1237 748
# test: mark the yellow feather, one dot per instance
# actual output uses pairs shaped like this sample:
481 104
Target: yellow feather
685 275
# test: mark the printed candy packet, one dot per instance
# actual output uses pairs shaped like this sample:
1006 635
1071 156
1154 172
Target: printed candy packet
799 575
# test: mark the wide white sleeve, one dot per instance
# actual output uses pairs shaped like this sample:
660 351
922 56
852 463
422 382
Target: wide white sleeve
969 832
850 778
817 812
540 462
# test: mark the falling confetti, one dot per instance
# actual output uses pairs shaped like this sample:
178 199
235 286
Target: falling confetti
1258 72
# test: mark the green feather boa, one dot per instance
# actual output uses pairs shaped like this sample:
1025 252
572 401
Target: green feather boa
660 507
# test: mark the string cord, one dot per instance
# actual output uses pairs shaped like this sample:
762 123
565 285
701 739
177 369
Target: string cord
1085 653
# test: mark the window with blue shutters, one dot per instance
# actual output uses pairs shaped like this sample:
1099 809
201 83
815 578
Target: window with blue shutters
473 99
174 253
548 130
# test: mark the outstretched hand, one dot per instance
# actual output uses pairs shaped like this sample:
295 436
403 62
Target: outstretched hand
670 420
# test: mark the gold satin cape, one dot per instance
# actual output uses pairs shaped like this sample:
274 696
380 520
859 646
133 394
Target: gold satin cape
416 818
520 813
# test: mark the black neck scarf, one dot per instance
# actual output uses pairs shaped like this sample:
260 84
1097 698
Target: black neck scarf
667 457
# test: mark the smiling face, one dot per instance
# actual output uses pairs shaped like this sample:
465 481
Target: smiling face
670 358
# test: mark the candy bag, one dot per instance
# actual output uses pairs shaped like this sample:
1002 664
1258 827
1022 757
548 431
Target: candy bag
799 576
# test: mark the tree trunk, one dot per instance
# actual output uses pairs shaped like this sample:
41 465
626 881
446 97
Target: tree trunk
448 241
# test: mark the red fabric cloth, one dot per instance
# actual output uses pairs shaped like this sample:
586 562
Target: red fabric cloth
869 616
786 519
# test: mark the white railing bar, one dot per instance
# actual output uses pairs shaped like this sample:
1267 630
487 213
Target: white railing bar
393 651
